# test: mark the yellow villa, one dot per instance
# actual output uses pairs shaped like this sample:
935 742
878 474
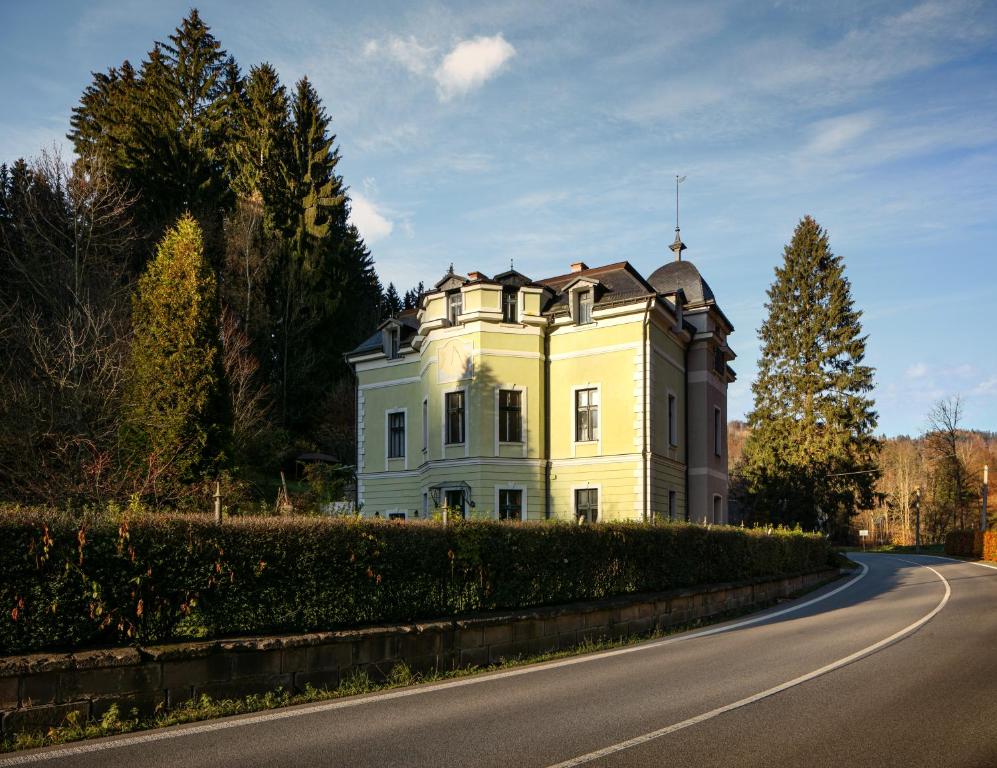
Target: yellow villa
595 395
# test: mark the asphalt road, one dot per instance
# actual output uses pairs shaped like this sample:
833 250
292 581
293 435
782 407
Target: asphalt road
895 667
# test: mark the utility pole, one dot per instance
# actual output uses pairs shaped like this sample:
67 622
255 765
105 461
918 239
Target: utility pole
218 502
917 521
983 493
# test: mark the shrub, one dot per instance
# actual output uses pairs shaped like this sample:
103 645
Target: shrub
136 577
990 545
966 543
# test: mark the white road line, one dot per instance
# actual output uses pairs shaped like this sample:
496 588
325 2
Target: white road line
283 714
643 739
957 560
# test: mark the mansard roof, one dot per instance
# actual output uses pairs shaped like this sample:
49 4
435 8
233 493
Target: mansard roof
617 283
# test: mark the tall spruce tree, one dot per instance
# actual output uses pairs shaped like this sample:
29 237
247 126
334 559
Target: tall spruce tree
177 419
262 145
813 420
164 131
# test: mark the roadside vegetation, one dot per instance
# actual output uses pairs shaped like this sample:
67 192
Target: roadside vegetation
129 576
400 675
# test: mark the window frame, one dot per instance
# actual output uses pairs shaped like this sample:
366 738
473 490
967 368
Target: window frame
510 488
510 298
388 457
506 418
718 431
425 425
673 505
585 297
588 490
463 417
455 299
673 425
593 432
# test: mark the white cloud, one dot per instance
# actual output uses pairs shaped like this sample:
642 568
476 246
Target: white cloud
408 52
836 133
917 371
470 64
373 225
986 387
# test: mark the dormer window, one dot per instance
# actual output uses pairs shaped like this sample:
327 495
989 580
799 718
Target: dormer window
455 305
584 306
392 336
510 306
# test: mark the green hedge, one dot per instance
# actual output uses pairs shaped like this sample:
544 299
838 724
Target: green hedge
69 581
968 543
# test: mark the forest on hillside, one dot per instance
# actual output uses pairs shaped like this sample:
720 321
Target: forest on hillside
938 473
202 212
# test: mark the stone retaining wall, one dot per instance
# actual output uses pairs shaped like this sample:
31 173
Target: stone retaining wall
41 690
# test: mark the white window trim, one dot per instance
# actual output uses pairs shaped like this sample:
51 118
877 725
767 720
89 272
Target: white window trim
519 308
672 427
718 432
581 284
387 436
597 487
449 295
425 425
597 386
512 487
443 432
523 421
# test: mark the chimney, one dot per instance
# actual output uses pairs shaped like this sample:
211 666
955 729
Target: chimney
475 275
578 266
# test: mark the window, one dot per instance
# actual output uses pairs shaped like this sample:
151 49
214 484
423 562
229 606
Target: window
510 416
586 415
510 504
673 505
425 425
455 418
673 426
396 435
425 505
584 307
455 305
719 361
393 340
510 308
454 501
587 505
718 432
396 515
718 505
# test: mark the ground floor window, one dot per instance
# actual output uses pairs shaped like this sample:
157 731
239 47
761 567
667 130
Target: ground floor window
718 508
673 506
453 500
396 515
510 504
587 505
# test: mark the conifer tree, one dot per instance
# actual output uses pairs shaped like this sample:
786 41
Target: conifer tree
813 420
391 305
262 145
176 415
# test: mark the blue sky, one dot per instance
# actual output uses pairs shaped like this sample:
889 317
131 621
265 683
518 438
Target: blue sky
550 133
